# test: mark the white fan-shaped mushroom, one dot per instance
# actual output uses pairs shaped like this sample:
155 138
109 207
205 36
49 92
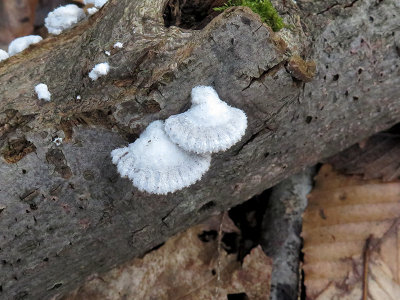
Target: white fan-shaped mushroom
3 55
42 92
92 10
63 17
21 43
96 3
209 126
156 165
99 70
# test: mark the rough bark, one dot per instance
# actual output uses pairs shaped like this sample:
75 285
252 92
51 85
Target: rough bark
281 230
65 213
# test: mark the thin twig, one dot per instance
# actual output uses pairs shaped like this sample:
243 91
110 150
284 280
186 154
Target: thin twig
219 243
366 256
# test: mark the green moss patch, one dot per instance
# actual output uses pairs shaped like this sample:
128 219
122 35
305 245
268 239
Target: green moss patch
264 8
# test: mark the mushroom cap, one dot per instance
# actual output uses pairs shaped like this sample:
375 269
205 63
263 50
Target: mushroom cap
21 43
42 92
3 55
156 165
96 3
204 94
209 126
63 17
99 70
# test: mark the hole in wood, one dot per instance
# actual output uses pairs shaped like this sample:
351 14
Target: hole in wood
335 77
195 14
207 206
239 296
207 236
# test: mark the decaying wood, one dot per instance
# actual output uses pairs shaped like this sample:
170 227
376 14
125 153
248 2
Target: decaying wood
65 212
374 158
281 230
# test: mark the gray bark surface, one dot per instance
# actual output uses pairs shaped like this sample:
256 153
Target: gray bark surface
65 213
281 231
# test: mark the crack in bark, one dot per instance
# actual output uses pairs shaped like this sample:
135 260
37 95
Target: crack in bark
29 195
168 214
265 127
139 230
350 4
328 8
337 4
249 140
257 29
265 73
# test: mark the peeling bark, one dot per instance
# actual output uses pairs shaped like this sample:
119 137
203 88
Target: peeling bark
83 218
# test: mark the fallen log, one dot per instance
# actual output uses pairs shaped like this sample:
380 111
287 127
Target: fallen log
65 213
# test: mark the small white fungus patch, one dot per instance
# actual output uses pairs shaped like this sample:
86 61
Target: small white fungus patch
58 141
118 45
78 97
3 55
107 53
21 43
92 10
63 17
96 3
99 70
42 92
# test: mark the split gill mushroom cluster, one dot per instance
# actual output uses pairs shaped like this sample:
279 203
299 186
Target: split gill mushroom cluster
171 155
57 21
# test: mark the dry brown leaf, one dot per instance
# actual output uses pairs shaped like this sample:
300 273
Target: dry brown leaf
186 268
351 238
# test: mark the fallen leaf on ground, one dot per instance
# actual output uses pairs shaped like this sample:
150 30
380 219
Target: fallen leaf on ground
188 266
351 238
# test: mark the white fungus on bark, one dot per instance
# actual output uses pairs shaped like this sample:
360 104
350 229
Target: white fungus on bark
63 17
58 141
92 10
209 126
118 45
96 3
99 70
156 165
21 43
3 55
42 92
